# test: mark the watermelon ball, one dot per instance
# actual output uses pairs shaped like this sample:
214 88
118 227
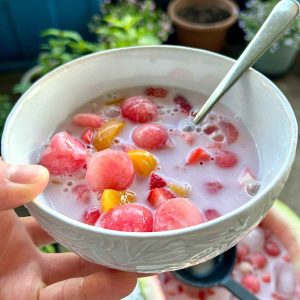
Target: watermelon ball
177 213
109 169
150 136
64 155
129 217
139 109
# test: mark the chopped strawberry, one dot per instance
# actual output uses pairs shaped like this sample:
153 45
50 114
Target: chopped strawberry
129 217
139 109
211 214
188 137
218 137
159 196
156 181
266 277
213 187
64 155
150 136
258 260
226 159
229 130
110 169
88 136
177 213
272 248
242 252
202 295
182 102
87 120
82 193
251 283
91 215
209 129
197 155
156 92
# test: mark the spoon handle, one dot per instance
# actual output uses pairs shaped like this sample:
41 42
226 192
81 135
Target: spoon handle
278 21
236 289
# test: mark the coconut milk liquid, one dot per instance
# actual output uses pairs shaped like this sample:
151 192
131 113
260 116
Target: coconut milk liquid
171 160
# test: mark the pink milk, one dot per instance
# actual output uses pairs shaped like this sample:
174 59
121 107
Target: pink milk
172 160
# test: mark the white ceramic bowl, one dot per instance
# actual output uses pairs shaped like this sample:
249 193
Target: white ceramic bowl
261 105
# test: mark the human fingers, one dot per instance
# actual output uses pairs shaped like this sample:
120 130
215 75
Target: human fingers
38 235
61 266
104 285
20 184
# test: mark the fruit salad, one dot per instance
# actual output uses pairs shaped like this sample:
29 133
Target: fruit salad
133 160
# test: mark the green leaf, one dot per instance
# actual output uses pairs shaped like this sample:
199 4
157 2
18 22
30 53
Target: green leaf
148 39
21 87
48 249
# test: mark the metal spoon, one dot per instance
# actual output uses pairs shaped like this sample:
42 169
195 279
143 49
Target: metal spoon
217 273
281 17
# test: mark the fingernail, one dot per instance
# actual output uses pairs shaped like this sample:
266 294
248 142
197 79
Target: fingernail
28 174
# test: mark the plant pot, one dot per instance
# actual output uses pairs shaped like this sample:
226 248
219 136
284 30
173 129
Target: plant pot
22 21
278 62
209 36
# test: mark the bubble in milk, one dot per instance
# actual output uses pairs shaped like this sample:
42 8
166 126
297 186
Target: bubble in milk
69 183
65 189
252 188
112 111
187 125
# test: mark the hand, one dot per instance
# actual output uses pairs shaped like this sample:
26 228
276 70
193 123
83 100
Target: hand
27 273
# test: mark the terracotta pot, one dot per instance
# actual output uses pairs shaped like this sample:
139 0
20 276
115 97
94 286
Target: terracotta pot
209 36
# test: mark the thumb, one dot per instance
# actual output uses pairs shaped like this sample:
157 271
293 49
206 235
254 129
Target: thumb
20 184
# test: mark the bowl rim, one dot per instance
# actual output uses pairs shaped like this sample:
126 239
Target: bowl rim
160 234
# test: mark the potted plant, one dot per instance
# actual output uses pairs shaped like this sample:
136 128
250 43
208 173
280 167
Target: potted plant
121 24
280 57
203 23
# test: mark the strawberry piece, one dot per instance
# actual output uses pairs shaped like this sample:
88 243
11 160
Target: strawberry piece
266 277
159 196
202 295
213 187
82 193
229 130
272 248
218 137
184 105
91 215
209 129
88 136
211 214
156 92
150 136
242 252
129 217
188 137
64 155
87 120
177 213
258 260
226 159
156 181
251 283
139 109
109 169
197 155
